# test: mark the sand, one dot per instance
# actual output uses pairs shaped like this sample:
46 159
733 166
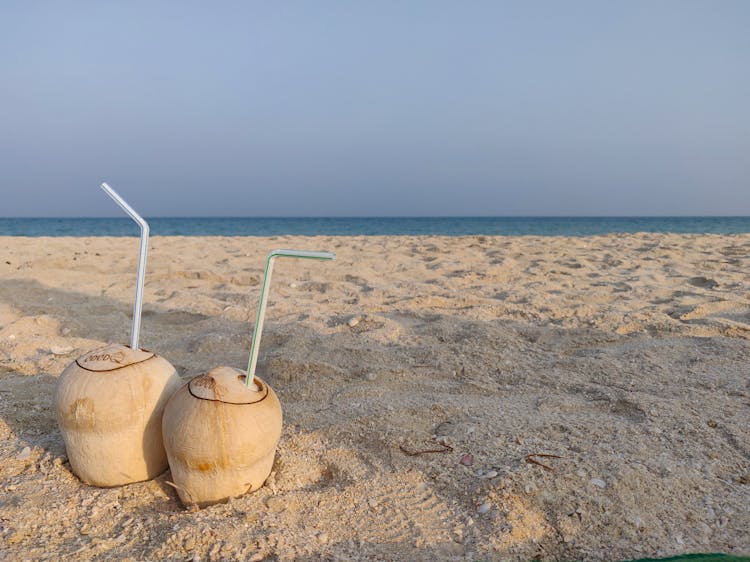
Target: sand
422 380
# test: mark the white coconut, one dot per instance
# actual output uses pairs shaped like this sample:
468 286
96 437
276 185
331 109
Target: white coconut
221 436
109 406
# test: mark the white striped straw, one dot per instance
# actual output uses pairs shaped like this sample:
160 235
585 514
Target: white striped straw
136 329
264 298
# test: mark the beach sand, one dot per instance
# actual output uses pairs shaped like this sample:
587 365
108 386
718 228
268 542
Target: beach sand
423 380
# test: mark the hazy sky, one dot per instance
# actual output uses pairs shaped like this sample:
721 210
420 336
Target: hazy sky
375 108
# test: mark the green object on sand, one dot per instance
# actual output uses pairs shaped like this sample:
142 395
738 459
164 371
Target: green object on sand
698 558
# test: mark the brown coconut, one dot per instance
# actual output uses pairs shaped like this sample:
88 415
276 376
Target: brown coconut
109 406
221 436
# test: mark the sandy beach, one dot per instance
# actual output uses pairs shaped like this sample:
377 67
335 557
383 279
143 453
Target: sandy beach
469 398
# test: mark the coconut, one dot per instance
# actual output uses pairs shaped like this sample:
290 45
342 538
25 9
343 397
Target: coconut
221 436
109 406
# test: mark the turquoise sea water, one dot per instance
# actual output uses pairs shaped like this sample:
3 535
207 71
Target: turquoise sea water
448 226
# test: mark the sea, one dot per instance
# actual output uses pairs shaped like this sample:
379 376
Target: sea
369 226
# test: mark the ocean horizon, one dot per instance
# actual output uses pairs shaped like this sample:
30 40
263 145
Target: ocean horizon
374 226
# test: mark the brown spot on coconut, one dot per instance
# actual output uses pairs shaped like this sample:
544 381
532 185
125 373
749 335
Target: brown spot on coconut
221 436
109 405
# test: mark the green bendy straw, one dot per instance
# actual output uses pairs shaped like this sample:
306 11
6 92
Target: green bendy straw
264 298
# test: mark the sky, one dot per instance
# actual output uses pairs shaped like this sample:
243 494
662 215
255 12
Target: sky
392 108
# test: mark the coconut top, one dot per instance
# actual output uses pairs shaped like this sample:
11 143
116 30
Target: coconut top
111 357
226 384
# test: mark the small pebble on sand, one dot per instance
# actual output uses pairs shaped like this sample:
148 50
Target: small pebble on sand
598 482
484 508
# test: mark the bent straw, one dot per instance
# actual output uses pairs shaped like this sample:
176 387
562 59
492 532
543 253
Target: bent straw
264 298
135 331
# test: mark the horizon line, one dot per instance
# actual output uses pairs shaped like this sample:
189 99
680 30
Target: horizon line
391 217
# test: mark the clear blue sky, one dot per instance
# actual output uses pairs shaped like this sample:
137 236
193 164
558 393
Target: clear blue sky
375 108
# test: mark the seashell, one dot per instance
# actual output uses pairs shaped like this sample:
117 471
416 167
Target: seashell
467 459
